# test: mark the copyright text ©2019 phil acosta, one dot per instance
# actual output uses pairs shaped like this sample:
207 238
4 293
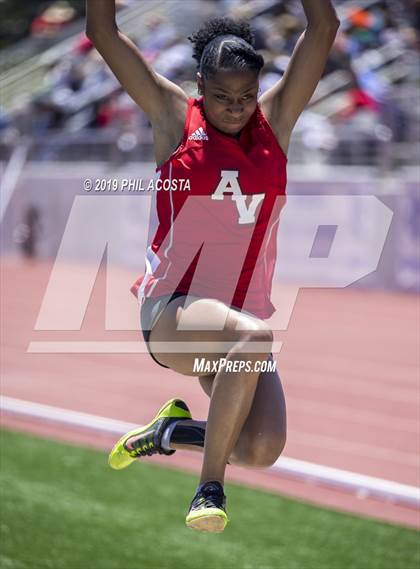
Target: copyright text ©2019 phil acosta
136 185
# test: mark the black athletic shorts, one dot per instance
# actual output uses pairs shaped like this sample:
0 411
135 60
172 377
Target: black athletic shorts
150 311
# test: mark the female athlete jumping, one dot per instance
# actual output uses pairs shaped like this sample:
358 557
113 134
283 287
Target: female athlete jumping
210 264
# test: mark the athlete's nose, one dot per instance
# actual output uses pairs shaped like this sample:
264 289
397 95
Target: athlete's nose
236 111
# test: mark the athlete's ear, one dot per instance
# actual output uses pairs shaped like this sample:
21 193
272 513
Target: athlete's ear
200 83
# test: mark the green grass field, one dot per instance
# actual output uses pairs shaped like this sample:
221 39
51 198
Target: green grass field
63 507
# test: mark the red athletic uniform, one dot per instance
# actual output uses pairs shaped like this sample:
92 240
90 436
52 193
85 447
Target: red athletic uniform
217 239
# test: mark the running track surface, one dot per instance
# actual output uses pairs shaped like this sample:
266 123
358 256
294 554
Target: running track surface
349 367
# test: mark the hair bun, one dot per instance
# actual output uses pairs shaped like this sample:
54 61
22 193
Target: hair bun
219 27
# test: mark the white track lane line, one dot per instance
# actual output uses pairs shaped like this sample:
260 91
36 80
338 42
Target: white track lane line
361 484
335 445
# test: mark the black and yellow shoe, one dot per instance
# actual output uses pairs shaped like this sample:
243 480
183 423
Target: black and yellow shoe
208 509
146 441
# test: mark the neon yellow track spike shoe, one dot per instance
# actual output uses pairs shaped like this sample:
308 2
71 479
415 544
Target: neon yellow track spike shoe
208 509
146 441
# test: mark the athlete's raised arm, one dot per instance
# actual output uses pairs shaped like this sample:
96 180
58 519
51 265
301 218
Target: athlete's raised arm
283 103
158 97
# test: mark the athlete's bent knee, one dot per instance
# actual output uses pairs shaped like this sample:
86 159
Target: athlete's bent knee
264 454
257 341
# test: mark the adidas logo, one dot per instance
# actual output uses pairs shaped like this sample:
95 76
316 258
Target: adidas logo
199 134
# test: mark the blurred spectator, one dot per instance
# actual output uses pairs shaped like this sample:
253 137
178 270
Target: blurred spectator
174 60
27 233
81 92
159 34
53 19
82 46
360 99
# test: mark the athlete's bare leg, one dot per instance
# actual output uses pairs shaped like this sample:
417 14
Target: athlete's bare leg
232 392
263 436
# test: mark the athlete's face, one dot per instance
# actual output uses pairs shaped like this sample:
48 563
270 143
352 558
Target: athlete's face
230 98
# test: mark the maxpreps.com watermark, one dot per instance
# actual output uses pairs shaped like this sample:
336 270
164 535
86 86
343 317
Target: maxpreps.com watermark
136 185
203 365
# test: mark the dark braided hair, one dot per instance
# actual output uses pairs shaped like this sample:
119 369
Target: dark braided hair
223 43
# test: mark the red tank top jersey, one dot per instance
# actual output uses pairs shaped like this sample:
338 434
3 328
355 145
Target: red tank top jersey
218 215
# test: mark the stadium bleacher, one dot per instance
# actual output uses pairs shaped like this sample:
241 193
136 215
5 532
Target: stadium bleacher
365 94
